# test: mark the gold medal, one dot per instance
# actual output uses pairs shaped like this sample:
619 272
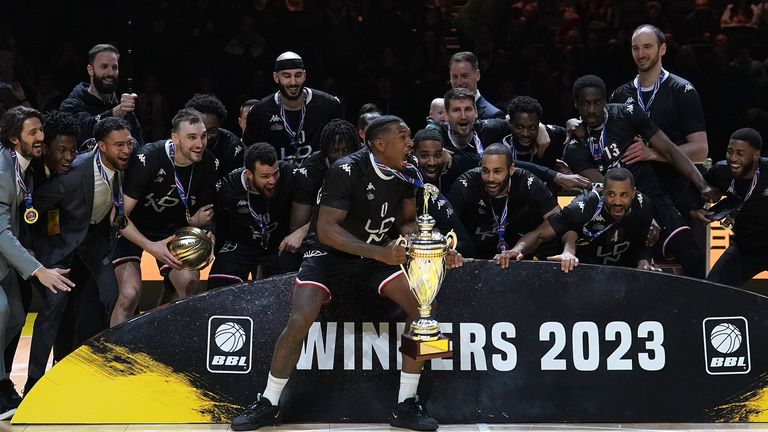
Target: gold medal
30 215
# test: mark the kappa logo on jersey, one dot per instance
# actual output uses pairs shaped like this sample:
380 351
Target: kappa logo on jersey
276 118
218 185
440 204
530 182
143 159
640 199
688 87
347 168
464 182
630 108
370 187
302 171
581 206
238 149
242 203
726 345
230 343
160 174
599 218
630 101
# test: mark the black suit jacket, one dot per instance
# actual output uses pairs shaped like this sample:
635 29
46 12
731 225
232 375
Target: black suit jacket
486 110
72 195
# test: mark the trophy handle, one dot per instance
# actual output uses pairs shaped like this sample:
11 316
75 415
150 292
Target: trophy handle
451 240
402 241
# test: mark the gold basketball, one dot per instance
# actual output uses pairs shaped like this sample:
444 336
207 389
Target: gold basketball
192 247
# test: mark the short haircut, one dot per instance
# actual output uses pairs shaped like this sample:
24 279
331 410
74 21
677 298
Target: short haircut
259 152
367 118
525 104
588 81
108 125
379 125
12 123
500 149
749 136
660 38
369 108
620 174
59 123
186 115
208 104
248 103
338 131
430 134
464 56
100 48
457 94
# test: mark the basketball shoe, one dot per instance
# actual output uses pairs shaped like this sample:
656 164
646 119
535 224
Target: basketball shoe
411 414
261 413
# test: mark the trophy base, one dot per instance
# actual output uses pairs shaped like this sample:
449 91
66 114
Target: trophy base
425 350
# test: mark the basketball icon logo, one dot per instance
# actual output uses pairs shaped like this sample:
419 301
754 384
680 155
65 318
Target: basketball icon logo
230 337
725 338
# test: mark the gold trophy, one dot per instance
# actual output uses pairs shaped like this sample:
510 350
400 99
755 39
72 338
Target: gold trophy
426 251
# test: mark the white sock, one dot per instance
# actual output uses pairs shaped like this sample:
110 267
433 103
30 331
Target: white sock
274 389
409 384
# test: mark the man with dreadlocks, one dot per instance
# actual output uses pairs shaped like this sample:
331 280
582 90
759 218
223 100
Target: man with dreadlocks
364 195
252 210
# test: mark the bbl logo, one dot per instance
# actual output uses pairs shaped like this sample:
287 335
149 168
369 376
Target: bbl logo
726 345
230 340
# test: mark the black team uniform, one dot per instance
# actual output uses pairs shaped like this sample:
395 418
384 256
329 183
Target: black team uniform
553 152
228 150
370 215
247 241
604 149
159 210
294 134
308 180
602 239
747 255
527 201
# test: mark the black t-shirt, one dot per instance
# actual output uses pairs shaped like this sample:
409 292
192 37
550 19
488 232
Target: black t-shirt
624 122
149 179
529 200
370 197
750 227
621 242
528 155
234 222
229 151
264 124
676 109
446 220
309 179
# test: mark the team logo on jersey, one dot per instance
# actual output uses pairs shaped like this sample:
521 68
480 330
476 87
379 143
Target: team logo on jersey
581 206
370 196
370 187
464 182
276 127
314 253
726 345
347 168
599 218
275 118
640 199
688 87
143 159
302 171
242 203
530 181
238 149
230 343
630 109
630 101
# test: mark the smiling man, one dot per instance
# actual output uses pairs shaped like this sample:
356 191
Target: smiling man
292 118
607 225
169 184
364 196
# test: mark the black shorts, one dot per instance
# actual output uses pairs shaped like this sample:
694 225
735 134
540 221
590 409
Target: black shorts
324 270
234 261
125 251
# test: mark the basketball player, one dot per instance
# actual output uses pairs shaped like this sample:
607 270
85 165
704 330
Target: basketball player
252 210
338 239
168 185
611 130
225 145
606 225
498 202
292 118
739 178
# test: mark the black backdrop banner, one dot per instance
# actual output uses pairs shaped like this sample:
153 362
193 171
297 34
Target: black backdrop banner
531 344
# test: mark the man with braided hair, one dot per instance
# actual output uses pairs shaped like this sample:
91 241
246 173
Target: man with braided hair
364 194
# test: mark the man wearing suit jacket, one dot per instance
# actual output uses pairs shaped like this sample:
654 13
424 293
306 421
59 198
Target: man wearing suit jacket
21 135
465 73
88 199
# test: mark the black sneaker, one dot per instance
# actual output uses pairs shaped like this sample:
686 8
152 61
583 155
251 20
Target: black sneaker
9 399
411 414
261 413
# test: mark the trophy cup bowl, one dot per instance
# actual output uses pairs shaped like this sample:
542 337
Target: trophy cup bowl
426 251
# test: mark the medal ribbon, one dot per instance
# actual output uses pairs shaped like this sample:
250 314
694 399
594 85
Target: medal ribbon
475 141
20 180
417 181
501 225
293 135
263 227
655 89
597 148
591 235
117 201
179 186
732 189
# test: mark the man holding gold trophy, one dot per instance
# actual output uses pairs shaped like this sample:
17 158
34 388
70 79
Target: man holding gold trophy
363 196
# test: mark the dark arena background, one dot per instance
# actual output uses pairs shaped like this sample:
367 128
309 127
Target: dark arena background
601 347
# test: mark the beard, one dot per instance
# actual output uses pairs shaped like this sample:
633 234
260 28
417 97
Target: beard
284 92
104 87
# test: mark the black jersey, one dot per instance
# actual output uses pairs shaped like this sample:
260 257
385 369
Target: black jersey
309 179
602 239
446 219
605 146
750 227
149 179
548 160
236 224
370 197
265 123
228 150
528 200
